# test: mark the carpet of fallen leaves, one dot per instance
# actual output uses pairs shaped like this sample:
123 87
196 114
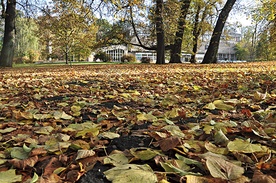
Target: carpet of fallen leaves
144 123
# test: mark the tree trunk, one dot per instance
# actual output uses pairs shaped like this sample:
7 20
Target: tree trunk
160 33
211 54
198 24
195 35
66 58
193 56
175 55
66 54
7 51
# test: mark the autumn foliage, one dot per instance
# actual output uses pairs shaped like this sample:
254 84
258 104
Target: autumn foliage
145 123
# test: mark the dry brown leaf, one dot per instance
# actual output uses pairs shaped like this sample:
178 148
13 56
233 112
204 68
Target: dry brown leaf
73 175
23 164
53 164
259 177
242 157
199 179
38 151
53 178
169 143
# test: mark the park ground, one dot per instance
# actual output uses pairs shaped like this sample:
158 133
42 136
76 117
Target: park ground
139 123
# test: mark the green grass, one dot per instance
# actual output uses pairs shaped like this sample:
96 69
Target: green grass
58 64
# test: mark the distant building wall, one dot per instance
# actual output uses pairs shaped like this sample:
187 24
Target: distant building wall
226 51
115 52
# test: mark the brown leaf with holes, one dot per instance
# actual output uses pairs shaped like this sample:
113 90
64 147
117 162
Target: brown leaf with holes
23 164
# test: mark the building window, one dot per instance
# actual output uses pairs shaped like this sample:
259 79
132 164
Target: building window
150 55
116 54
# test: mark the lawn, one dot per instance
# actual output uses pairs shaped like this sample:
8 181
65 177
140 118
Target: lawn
57 63
139 123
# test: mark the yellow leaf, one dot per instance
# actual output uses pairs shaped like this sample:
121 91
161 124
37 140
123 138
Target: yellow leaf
109 135
80 144
75 108
59 170
174 130
27 115
143 154
239 145
220 168
172 113
84 154
116 159
210 106
9 176
61 115
46 130
131 173
196 179
259 96
213 148
208 129
65 116
63 104
197 88
146 117
7 130
222 106
91 132
34 178
125 95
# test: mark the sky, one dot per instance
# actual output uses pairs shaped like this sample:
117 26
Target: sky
240 10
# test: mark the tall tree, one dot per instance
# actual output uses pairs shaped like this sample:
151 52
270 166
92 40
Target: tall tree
265 44
203 9
27 41
176 48
211 54
164 27
70 25
264 50
7 50
160 32
45 36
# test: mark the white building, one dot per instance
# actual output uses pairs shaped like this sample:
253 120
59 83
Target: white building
115 52
226 51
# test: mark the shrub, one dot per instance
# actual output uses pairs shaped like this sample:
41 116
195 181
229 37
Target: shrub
33 56
26 60
128 58
145 60
102 56
17 60
21 60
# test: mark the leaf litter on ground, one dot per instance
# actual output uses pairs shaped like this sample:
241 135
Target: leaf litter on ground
150 123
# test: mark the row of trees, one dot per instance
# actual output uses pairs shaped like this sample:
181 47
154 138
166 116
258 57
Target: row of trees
75 27
259 41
